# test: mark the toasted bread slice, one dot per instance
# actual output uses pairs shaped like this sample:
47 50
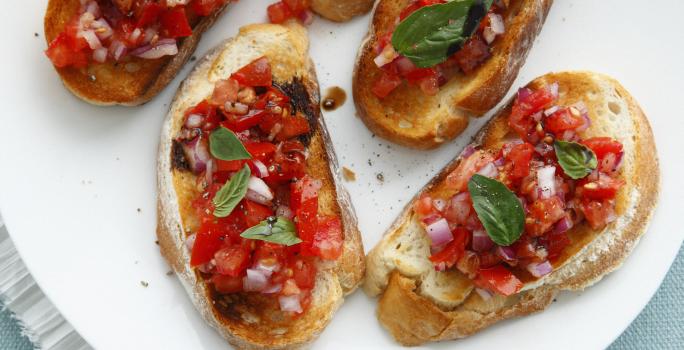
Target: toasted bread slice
411 118
131 82
341 11
418 304
250 320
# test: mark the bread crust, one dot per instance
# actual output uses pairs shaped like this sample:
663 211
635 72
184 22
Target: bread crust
409 117
131 82
415 316
253 321
341 11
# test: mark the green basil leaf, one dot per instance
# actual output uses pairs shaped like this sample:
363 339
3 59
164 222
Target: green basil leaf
224 145
577 160
231 193
433 33
498 209
278 230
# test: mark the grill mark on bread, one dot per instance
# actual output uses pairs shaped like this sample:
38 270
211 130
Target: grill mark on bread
301 102
178 160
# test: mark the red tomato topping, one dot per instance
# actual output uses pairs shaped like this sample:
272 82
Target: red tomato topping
562 120
62 55
174 23
257 73
279 12
602 146
605 187
231 260
524 107
386 84
226 284
304 272
472 54
458 179
328 240
254 213
453 251
149 14
599 213
543 214
498 279
520 156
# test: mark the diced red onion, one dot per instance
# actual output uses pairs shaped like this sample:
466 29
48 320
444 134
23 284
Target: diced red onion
467 151
481 241
404 65
150 32
190 241
458 208
537 117
581 107
546 181
499 162
563 225
553 89
197 154
387 55
550 110
523 202
173 3
439 232
117 49
267 269
100 55
272 289
439 204
259 169
135 35
208 267
483 293
290 303
93 8
523 93
260 188
569 135
91 38
495 27
103 29
164 47
193 121
306 17
540 269
506 253
543 148
489 170
209 172
284 211
586 124
255 281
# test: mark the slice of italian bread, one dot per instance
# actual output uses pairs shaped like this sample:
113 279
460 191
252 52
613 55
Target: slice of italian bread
131 82
251 320
411 118
341 11
418 304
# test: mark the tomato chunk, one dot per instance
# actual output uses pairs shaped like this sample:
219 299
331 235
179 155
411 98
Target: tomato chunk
562 120
254 213
304 273
231 260
498 279
454 250
62 55
226 284
328 240
304 203
256 73
605 187
603 145
386 84
520 156
149 13
458 179
174 23
544 213
207 242
599 213
279 12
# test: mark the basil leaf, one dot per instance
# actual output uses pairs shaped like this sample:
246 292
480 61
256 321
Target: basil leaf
231 193
498 209
224 145
577 160
433 33
278 230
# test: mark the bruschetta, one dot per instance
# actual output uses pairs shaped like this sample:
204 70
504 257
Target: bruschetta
553 194
426 66
124 52
251 214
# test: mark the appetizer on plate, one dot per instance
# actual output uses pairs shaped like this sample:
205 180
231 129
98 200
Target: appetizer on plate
124 52
334 10
553 195
427 65
251 215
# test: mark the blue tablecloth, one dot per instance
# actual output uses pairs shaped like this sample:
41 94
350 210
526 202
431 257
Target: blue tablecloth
659 326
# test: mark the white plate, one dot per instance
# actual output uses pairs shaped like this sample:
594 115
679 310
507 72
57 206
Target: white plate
77 182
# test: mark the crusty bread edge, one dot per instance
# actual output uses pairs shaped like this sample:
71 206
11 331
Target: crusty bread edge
399 298
349 269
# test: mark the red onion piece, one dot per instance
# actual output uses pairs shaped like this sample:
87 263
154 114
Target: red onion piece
489 170
543 148
306 17
483 293
387 55
439 232
506 253
550 110
540 269
563 225
523 93
284 211
272 289
439 204
546 181
100 55
117 49
467 151
290 303
194 121
553 89
150 32
197 154
255 281
404 65
258 168
190 241
93 8
103 29
499 162
481 241
164 47
259 190
537 117
209 172
458 209
91 38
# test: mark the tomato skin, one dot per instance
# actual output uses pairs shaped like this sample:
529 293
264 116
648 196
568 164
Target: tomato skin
149 13
520 156
544 213
226 284
279 13
385 84
229 165
293 126
174 23
256 73
423 205
288 162
254 213
260 150
520 118
605 187
207 242
602 146
231 260
453 251
328 240
241 123
304 272
62 55
304 203
562 120
498 279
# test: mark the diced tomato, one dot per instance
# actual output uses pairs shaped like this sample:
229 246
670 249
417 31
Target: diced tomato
603 145
454 250
520 157
174 23
149 14
555 243
524 106
292 126
605 187
206 7
304 203
279 12
256 73
260 150
229 165
562 120
524 248
268 253
328 240
472 54
297 6
423 205
226 284
75 42
231 260
288 162
225 90
386 84
458 179
304 272
599 213
207 242
254 213
544 213
498 279
239 123
61 54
